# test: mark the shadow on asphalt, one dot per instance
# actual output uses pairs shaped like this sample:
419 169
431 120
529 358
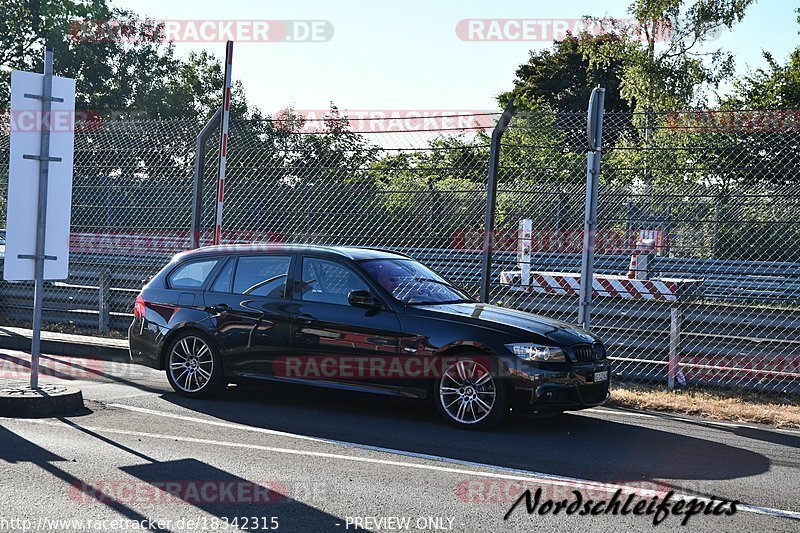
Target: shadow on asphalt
16 449
567 445
748 432
231 497
766 436
210 489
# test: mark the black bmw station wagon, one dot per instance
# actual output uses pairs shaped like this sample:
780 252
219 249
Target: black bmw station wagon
357 319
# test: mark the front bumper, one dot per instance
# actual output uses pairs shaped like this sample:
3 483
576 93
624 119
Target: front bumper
571 388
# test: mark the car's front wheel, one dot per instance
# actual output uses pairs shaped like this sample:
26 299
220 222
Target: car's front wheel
470 395
193 365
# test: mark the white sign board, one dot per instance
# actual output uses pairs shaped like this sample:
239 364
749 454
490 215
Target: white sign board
23 177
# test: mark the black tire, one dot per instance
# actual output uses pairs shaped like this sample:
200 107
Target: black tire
204 387
443 395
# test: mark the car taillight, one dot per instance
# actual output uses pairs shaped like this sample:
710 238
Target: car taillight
138 307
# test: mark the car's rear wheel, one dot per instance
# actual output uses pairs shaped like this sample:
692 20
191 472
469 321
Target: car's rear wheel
193 365
470 395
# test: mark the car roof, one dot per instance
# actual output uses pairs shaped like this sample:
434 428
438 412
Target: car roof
356 253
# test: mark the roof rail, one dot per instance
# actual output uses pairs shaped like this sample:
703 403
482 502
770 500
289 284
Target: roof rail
377 249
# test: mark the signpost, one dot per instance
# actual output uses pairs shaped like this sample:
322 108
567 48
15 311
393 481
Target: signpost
39 185
594 129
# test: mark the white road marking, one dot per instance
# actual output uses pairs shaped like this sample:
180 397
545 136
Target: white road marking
683 419
613 412
511 474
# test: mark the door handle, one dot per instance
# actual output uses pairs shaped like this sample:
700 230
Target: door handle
306 319
220 309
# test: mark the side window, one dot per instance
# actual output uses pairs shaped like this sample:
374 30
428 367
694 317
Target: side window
225 277
191 275
328 282
262 275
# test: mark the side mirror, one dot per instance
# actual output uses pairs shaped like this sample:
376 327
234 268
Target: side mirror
362 298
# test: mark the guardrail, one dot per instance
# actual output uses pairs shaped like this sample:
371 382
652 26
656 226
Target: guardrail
101 288
723 280
93 296
722 334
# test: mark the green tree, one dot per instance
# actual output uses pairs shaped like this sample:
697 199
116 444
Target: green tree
775 87
664 64
562 78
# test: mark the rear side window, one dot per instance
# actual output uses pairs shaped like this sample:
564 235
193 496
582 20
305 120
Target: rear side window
262 275
224 278
191 275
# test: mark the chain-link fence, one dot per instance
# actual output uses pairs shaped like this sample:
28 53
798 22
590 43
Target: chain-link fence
705 202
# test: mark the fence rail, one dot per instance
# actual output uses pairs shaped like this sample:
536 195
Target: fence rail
722 197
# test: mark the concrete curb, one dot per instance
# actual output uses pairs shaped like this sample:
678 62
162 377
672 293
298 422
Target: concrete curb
48 400
65 344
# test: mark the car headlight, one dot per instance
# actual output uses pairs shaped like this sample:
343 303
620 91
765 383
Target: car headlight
536 352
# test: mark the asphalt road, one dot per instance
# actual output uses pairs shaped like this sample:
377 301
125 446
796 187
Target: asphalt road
328 461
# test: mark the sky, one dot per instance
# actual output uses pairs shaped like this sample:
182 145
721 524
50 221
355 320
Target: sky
408 55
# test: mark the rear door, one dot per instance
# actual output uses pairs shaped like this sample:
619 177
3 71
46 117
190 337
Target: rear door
251 306
332 339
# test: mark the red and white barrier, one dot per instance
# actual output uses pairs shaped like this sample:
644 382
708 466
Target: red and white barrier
608 286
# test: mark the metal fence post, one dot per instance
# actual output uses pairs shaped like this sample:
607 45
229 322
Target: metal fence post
559 215
103 303
309 203
199 173
675 323
491 198
431 210
715 233
595 135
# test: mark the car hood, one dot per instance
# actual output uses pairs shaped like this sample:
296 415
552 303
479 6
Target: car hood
504 319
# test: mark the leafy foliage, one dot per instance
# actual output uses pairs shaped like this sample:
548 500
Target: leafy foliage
562 78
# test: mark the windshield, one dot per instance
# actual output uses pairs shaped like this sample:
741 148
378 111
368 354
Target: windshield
411 282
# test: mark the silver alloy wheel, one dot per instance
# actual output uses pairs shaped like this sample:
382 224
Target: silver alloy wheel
467 391
191 364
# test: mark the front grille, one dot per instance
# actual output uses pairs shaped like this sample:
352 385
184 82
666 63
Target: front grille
587 353
599 352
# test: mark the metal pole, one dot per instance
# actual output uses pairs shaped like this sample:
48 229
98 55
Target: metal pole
525 245
431 212
308 211
199 173
223 140
41 216
595 132
491 198
715 235
559 209
675 322
589 237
